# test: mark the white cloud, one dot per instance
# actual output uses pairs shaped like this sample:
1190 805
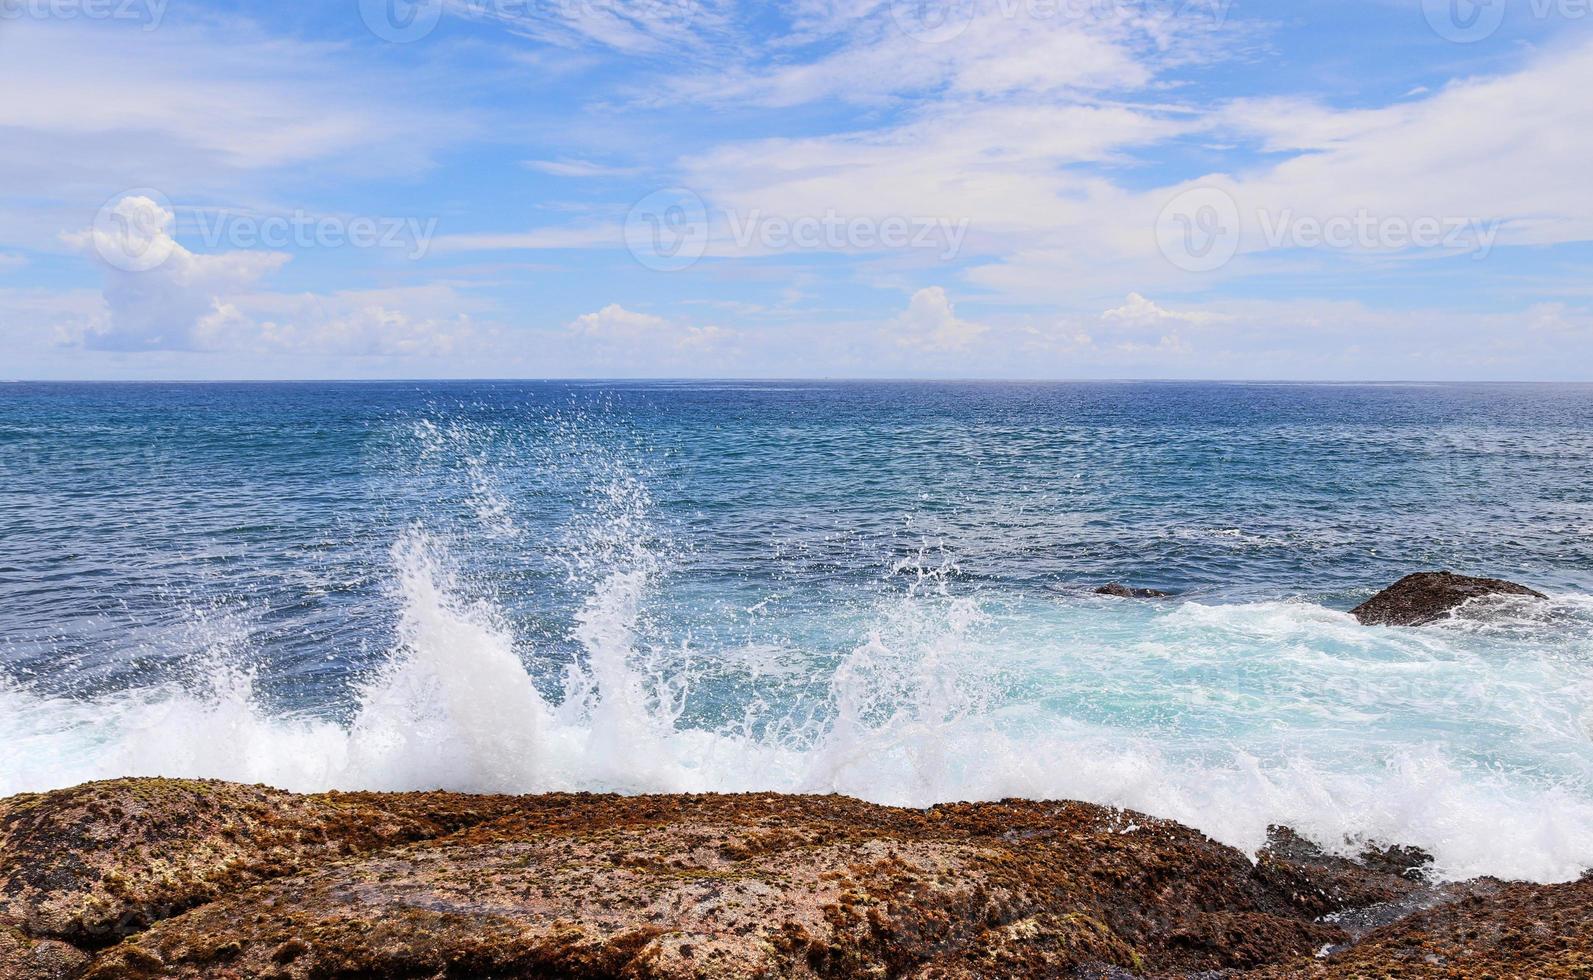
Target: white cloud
1140 311
1047 224
1512 147
931 324
992 48
580 168
158 292
218 92
557 237
200 111
160 296
636 28
615 324
349 324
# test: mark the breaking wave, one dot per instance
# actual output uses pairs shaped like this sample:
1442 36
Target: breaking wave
942 699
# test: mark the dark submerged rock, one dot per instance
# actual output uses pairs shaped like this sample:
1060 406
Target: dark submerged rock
1124 592
1326 883
1427 597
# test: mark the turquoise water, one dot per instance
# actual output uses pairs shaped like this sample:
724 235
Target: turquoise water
882 590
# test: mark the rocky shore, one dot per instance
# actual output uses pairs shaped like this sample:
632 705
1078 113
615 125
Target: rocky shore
163 878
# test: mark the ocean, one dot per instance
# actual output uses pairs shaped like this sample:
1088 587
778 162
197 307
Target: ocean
883 590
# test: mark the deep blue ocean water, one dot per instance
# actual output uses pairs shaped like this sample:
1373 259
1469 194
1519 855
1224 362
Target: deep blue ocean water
871 588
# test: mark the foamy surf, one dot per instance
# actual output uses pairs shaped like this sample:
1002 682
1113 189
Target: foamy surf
1471 741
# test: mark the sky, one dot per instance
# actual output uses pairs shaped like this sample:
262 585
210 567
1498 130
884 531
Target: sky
1236 189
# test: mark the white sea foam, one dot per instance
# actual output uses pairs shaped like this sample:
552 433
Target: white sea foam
1225 717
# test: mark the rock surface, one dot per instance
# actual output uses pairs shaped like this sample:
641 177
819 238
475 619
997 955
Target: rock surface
1492 930
1427 597
26 958
96 863
210 880
1120 591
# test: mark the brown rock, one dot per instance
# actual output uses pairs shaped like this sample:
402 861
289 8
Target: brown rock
1497 930
1427 597
724 887
24 958
243 882
102 861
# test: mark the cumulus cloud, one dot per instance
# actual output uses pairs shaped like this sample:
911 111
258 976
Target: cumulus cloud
348 324
931 324
157 291
158 295
615 324
1139 311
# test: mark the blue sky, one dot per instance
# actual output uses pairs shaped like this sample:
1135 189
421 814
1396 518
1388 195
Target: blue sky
1354 189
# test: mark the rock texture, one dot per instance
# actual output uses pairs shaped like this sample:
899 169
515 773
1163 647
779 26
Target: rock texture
1492 930
96 863
1124 592
210 880
1427 597
1323 884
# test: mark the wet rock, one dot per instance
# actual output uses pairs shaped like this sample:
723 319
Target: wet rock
1324 883
1124 592
1427 597
102 861
1495 930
